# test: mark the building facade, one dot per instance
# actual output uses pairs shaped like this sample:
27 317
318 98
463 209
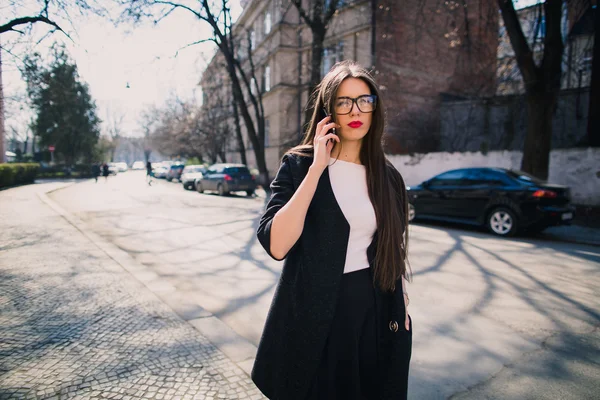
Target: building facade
418 51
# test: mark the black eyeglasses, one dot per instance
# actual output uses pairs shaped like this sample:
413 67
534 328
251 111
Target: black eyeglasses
365 103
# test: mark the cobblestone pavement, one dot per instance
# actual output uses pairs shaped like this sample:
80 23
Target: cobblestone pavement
74 324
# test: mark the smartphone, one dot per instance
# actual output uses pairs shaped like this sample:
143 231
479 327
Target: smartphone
331 120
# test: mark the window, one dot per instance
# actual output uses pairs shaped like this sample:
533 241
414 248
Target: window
586 61
267 133
340 4
524 177
267 79
237 171
252 39
450 178
331 55
488 177
267 22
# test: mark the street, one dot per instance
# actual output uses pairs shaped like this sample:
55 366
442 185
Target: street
485 310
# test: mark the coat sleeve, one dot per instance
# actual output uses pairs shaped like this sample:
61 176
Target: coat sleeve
282 189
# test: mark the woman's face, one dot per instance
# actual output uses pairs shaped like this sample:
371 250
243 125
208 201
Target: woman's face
356 123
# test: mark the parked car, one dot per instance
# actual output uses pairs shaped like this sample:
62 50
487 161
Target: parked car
505 201
159 170
138 165
174 172
121 166
112 169
190 174
226 178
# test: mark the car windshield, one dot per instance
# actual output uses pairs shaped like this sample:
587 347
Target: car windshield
524 177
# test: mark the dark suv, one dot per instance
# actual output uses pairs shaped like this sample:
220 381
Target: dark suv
226 178
175 172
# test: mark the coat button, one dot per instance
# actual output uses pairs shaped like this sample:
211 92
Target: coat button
393 326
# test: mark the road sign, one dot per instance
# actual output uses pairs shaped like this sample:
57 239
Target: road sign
51 148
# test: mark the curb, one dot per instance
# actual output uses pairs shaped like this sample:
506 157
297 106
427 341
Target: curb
237 348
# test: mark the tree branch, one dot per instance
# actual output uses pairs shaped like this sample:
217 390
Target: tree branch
305 17
193 44
28 20
333 5
523 53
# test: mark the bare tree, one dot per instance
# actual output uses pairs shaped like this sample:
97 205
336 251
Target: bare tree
594 107
217 14
542 82
317 14
114 130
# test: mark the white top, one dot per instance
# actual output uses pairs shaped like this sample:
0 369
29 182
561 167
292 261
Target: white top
349 184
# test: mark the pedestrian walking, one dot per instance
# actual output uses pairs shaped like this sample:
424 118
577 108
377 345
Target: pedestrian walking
338 326
96 171
105 171
149 173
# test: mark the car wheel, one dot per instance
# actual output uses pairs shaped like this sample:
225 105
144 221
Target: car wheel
169 179
250 193
502 222
185 186
221 190
199 188
411 212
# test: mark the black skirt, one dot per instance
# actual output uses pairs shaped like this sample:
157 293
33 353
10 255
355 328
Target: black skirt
349 367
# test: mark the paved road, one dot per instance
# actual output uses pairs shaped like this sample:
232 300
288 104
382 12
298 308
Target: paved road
75 324
493 318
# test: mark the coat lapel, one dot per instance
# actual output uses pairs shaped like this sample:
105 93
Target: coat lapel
333 226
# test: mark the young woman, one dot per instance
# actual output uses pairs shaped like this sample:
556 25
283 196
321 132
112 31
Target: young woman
338 326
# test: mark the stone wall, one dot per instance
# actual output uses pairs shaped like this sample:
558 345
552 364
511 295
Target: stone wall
499 123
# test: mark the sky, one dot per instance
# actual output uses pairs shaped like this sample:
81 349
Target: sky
152 59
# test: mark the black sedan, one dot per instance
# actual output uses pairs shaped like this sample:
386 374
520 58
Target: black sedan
505 201
226 178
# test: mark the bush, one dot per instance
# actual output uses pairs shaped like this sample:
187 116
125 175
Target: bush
64 171
17 174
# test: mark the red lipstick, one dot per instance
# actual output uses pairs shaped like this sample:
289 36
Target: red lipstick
355 124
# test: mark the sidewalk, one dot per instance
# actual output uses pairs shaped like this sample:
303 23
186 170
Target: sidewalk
573 234
75 324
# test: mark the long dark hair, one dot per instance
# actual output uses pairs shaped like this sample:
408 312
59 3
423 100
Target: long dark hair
386 187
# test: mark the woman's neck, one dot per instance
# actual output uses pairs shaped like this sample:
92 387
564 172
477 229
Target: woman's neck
347 151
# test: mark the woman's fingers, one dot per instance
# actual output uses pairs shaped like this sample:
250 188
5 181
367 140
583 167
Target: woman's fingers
331 136
407 322
319 130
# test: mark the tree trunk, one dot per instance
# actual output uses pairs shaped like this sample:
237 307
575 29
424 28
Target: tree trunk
538 142
238 134
2 132
542 83
594 108
238 96
315 70
316 58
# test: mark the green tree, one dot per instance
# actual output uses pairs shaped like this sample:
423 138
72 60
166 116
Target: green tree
66 114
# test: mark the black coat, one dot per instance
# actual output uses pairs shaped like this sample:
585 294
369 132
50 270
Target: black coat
305 299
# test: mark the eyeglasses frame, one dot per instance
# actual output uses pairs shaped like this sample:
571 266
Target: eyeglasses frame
355 101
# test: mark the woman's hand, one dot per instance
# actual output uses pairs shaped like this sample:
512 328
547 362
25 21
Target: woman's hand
322 143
